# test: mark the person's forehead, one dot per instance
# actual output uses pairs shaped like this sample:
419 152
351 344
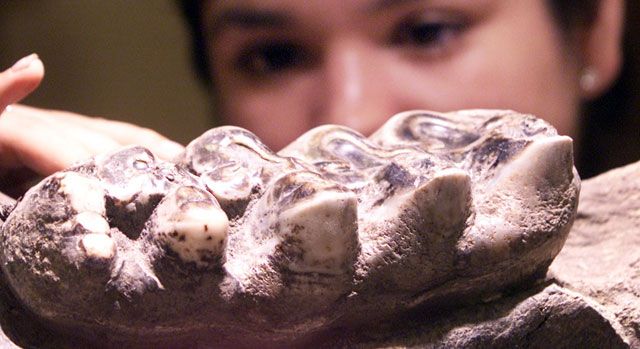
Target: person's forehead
293 4
219 13
250 14
354 5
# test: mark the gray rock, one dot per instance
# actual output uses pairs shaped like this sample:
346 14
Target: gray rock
541 317
601 258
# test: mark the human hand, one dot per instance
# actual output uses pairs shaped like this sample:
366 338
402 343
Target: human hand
44 141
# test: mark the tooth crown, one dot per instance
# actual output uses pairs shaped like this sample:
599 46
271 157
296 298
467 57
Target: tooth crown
334 230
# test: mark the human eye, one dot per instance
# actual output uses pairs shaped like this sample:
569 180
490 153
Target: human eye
269 57
433 34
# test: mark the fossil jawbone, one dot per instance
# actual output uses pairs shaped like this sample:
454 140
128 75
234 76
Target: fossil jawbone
334 230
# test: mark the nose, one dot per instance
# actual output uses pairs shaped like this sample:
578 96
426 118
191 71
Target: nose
353 85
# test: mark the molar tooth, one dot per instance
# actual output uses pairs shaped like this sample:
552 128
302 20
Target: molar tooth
320 233
527 208
442 201
314 221
545 163
445 201
97 245
193 225
234 165
332 142
201 234
232 191
92 222
219 147
298 244
420 228
84 193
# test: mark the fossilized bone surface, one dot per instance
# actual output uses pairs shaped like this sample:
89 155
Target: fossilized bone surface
335 230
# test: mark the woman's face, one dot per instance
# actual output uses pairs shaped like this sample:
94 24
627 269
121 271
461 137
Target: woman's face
281 67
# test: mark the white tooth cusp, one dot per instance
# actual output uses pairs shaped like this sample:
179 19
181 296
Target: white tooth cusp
99 246
192 225
92 222
238 243
84 194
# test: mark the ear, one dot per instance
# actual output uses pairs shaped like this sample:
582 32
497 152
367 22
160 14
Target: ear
602 56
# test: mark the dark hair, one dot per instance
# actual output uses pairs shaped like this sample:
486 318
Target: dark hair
192 11
570 14
610 134
611 125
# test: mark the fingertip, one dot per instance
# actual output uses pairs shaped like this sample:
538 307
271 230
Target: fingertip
23 63
35 71
28 70
20 80
29 74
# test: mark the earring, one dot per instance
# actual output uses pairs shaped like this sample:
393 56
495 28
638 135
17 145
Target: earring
588 79
7 109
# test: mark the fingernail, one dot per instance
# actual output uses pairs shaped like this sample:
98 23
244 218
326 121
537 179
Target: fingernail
24 62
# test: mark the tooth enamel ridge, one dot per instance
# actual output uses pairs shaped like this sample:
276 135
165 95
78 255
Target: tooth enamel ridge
335 230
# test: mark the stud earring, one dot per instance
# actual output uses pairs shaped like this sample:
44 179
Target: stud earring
588 79
7 109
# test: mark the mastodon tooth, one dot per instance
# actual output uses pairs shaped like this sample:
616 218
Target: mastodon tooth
302 232
524 209
190 223
334 231
409 239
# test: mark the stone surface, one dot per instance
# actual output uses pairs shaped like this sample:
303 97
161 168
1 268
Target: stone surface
541 317
601 258
6 206
238 244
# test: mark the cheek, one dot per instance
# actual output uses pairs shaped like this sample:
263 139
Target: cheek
502 65
276 113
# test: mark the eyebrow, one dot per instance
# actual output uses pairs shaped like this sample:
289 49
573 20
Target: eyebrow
243 18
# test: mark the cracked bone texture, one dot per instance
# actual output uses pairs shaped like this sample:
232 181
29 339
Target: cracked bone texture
335 230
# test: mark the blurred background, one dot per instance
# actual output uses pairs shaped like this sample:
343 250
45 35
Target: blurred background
130 60
119 59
